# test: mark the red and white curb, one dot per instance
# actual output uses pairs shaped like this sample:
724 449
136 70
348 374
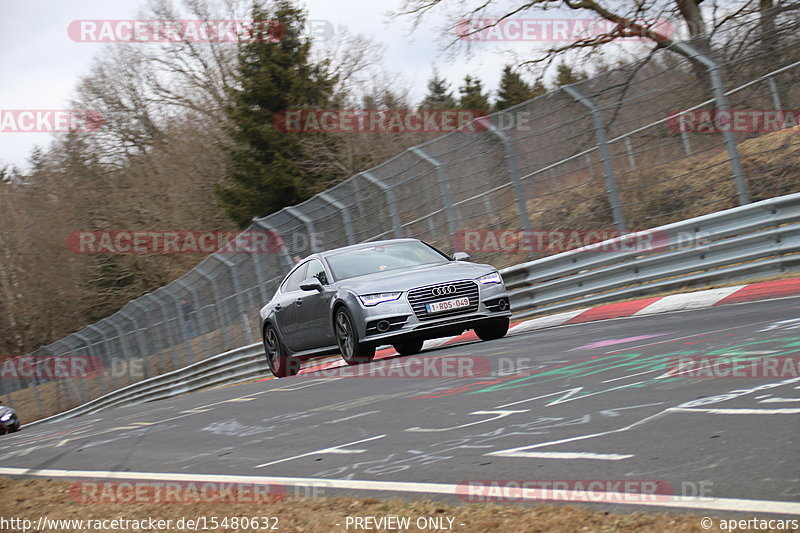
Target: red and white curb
645 306
664 304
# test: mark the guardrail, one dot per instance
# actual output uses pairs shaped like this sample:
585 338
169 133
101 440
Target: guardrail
757 239
241 363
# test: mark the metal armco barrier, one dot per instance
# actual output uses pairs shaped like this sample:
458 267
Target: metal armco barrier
241 363
759 239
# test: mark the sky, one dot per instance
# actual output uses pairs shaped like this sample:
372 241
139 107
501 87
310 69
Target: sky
41 65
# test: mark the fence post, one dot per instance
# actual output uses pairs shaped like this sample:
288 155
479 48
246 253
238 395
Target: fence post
283 251
187 323
108 359
513 169
152 348
237 288
79 393
87 344
141 345
345 211
215 291
441 177
172 340
309 224
605 156
773 89
390 202
721 103
178 327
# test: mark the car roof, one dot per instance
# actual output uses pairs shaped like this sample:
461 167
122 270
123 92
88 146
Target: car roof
360 246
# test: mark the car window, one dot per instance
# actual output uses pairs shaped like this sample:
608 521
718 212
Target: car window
383 257
316 270
292 282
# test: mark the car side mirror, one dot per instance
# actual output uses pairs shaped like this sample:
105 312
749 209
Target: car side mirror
461 256
311 284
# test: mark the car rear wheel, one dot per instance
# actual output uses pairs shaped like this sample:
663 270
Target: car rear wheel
280 364
492 329
408 348
353 351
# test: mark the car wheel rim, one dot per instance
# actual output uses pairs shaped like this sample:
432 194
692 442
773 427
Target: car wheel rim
272 347
344 334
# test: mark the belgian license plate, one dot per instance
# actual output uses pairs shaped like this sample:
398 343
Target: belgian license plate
447 305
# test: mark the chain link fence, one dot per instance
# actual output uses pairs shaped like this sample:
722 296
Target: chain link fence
607 154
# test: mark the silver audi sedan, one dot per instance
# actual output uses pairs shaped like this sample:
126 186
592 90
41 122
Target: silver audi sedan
399 292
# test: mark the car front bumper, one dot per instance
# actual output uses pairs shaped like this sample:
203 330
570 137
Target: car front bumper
405 324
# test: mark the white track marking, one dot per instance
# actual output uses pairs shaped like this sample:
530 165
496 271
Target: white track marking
565 391
545 322
566 455
689 300
499 415
780 400
581 437
351 417
681 502
737 411
333 449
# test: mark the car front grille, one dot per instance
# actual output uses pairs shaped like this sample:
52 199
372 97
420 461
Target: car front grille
421 296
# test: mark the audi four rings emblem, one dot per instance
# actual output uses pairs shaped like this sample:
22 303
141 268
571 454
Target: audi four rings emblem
443 290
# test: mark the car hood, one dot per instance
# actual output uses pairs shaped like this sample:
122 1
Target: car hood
4 410
419 276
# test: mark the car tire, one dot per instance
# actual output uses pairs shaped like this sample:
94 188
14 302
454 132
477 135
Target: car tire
280 364
409 347
492 329
354 352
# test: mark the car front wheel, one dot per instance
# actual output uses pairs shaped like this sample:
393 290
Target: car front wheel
280 364
353 351
492 329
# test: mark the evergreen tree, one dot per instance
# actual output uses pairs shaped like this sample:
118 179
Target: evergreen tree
276 74
472 95
514 90
438 97
566 76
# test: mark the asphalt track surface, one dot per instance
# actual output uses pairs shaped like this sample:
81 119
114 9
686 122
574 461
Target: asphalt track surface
580 402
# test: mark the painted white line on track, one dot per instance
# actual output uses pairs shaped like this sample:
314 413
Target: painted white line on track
737 411
566 455
332 449
681 502
780 400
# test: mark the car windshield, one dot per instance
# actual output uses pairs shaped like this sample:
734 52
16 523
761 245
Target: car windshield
382 258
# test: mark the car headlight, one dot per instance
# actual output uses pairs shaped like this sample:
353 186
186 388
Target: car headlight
379 297
494 277
6 416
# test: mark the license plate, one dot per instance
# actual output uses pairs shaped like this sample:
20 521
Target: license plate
447 305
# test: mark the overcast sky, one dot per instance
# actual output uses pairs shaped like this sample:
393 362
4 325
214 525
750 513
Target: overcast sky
41 65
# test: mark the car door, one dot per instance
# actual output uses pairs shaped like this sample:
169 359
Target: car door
286 309
313 310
